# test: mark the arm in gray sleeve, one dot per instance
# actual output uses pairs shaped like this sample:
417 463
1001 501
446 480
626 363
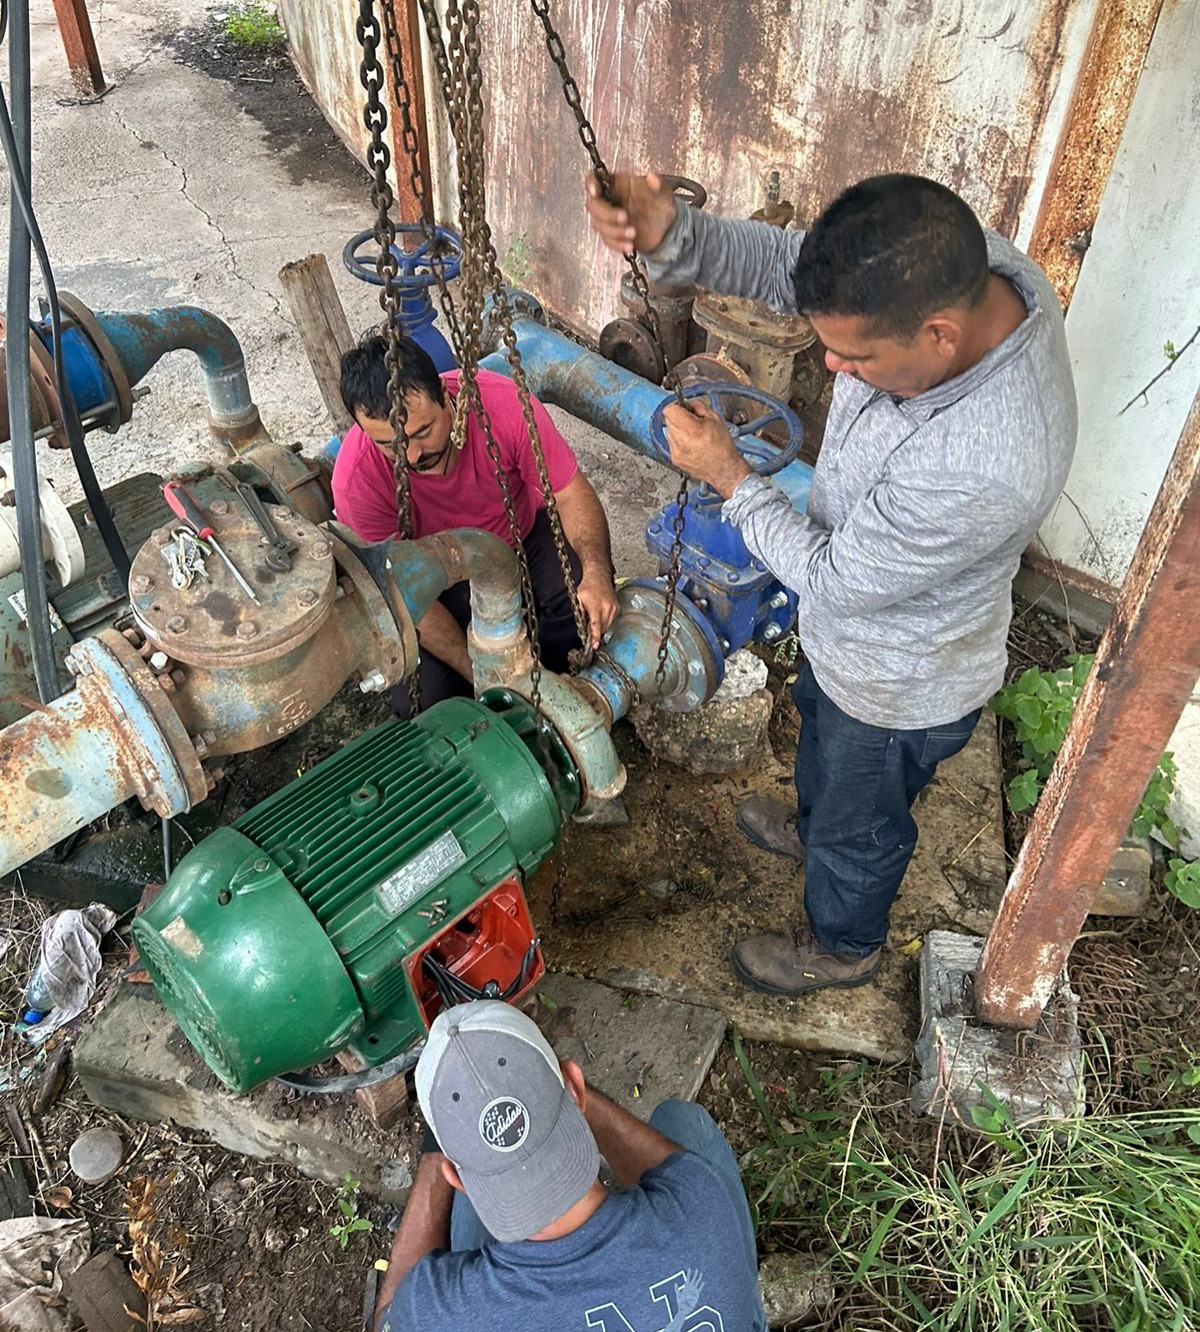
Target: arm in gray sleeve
729 256
902 537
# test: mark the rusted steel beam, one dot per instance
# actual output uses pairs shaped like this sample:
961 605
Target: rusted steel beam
408 207
1146 668
1087 145
82 56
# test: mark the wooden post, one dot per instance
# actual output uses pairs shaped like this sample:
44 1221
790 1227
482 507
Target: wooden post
1146 668
324 329
83 60
384 1103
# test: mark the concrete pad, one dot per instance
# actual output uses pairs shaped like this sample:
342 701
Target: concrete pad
1036 1074
638 1049
133 1059
611 928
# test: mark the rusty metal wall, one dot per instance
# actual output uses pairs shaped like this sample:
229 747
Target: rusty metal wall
824 92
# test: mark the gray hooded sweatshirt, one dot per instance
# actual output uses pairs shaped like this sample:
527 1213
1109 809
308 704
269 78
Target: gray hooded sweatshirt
920 508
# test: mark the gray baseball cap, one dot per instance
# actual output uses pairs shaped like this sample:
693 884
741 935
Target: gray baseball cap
492 1091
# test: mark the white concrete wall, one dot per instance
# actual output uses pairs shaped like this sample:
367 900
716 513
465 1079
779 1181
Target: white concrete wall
1139 287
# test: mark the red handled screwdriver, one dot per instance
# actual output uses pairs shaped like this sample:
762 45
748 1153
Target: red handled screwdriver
185 507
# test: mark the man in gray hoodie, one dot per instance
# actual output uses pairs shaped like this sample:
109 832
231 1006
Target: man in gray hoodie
950 435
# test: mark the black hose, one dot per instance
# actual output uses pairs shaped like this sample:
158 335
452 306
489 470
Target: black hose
346 1082
16 352
79 454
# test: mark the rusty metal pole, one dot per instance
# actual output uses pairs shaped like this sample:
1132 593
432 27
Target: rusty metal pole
408 206
82 57
1146 669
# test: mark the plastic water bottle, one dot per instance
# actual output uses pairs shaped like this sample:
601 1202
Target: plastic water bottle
37 997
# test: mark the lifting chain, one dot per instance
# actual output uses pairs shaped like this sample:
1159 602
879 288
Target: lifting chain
462 87
368 31
587 135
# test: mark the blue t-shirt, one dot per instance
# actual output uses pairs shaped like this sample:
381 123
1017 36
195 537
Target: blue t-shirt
668 1256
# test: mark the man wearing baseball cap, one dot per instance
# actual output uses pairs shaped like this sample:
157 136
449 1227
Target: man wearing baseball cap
509 1218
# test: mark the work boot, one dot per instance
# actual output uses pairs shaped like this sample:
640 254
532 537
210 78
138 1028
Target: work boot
772 825
795 964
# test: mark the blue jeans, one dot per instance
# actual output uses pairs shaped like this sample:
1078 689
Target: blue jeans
684 1122
855 786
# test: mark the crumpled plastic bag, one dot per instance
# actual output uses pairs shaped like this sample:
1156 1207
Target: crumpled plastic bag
69 959
36 1253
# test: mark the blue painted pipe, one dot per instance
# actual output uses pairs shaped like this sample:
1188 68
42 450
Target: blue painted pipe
141 340
600 392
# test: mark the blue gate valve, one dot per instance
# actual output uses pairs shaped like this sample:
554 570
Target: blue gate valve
440 250
742 600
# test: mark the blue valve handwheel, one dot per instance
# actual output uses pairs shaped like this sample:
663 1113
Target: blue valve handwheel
764 457
417 267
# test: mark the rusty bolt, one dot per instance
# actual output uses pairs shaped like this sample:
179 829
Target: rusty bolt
247 629
132 636
176 624
158 661
9 499
219 507
319 550
307 597
141 583
178 676
71 664
209 737
199 744
212 776
166 684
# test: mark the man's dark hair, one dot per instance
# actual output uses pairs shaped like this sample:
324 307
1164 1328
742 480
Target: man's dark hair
364 377
892 250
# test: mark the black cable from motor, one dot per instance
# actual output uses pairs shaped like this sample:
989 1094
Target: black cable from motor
16 352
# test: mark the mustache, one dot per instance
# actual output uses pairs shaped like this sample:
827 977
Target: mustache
429 461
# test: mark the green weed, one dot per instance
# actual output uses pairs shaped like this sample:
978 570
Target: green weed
254 27
1039 705
349 1221
1066 1226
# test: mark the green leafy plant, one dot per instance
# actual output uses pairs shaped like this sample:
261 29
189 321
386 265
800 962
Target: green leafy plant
254 27
517 263
1064 1225
1183 880
1039 705
1169 350
349 1221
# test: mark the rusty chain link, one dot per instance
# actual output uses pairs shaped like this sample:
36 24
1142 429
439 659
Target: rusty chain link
604 179
368 32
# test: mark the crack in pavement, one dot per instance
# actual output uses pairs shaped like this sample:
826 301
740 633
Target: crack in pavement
210 221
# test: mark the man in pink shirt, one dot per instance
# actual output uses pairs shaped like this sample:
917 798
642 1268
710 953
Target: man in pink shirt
458 488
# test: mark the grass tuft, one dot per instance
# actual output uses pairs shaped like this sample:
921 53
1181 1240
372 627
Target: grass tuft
254 27
1086 1225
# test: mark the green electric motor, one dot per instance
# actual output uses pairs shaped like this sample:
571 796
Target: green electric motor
343 910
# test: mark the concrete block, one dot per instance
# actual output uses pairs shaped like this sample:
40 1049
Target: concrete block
1126 887
1036 1074
134 1059
727 733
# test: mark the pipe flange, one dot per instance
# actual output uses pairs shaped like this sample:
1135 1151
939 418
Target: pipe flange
627 344
749 323
581 729
170 778
393 632
694 656
86 320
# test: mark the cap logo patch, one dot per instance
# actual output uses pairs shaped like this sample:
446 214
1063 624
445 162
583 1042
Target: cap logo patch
504 1124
